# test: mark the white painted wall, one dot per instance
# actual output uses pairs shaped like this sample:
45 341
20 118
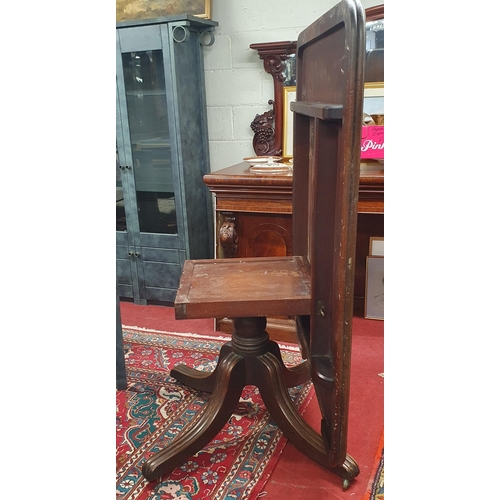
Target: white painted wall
237 86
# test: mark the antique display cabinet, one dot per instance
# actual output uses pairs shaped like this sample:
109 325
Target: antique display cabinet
163 207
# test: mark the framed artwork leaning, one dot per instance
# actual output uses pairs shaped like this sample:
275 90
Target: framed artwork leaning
374 289
376 245
131 10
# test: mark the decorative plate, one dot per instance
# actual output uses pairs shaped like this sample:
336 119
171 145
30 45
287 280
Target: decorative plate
273 168
262 160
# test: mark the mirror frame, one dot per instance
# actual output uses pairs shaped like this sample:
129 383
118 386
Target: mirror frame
268 127
375 13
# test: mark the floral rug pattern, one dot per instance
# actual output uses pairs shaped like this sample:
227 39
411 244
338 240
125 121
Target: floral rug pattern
376 485
155 408
378 482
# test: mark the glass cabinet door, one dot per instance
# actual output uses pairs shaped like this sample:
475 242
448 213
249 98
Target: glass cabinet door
162 146
144 79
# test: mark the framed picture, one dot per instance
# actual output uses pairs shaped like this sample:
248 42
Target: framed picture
373 103
131 10
374 287
376 246
289 95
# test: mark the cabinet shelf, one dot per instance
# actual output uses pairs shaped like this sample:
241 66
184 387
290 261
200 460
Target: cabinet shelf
140 93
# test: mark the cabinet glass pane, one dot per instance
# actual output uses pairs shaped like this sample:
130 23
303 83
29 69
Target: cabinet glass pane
149 136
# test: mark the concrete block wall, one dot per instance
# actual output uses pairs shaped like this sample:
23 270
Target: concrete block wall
237 86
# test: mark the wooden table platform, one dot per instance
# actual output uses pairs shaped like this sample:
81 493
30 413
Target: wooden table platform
231 288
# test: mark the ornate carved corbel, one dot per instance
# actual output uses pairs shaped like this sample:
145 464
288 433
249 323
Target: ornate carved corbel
228 237
268 127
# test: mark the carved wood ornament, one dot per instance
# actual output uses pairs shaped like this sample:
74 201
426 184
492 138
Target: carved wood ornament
228 236
268 127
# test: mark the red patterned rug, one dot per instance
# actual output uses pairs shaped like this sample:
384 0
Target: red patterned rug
154 408
376 486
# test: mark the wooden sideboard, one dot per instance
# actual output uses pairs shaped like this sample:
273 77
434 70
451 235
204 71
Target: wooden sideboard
254 219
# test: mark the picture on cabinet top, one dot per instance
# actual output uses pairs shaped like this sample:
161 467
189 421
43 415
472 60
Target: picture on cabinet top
130 10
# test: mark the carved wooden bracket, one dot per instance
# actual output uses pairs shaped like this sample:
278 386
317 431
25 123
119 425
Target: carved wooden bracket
228 236
268 127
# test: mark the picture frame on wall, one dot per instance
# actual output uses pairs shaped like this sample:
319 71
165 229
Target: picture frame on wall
373 102
289 95
131 10
374 287
376 246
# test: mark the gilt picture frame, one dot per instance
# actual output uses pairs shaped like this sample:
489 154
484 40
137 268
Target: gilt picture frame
289 95
373 101
131 10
